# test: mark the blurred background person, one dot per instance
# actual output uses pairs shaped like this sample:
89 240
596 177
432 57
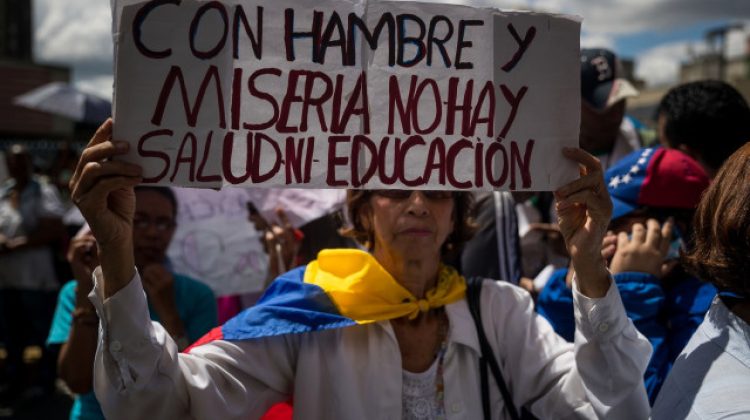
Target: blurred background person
708 120
184 306
30 224
711 376
495 251
605 131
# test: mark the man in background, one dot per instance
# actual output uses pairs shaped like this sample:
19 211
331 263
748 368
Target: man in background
30 224
707 120
605 132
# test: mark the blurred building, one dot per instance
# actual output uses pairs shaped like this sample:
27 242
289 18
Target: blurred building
15 29
41 132
627 66
717 63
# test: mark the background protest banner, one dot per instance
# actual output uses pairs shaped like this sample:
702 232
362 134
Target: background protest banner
215 242
342 94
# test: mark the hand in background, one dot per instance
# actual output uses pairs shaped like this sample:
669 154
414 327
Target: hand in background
83 259
645 250
281 241
286 237
609 245
158 283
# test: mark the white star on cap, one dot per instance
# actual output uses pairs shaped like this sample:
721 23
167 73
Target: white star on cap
626 179
614 182
634 169
642 161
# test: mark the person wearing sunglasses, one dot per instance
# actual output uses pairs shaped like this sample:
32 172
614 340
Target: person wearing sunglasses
384 332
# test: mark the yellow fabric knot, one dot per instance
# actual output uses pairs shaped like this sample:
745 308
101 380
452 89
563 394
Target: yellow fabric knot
364 291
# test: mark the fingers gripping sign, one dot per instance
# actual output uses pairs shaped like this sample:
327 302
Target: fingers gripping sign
103 191
584 210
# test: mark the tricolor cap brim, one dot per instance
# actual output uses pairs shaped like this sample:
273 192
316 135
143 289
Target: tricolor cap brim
621 208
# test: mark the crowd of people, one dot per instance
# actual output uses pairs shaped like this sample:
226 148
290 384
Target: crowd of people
623 294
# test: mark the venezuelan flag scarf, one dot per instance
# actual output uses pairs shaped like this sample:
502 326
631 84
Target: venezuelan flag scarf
343 287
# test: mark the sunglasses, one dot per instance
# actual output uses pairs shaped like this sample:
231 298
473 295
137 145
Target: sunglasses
404 194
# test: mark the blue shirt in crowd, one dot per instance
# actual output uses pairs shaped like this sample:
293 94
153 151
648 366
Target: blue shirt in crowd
196 305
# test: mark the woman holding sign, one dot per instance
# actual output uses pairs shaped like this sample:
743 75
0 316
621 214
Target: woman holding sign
389 333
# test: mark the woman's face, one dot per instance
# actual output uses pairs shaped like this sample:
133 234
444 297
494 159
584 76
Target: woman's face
409 223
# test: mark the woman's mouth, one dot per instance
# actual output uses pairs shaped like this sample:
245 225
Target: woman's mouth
417 232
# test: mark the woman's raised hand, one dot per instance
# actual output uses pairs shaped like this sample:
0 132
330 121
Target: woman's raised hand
103 191
584 210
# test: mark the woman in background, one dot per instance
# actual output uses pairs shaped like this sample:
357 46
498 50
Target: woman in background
711 377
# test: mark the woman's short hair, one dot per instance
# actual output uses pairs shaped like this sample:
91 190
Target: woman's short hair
463 221
721 248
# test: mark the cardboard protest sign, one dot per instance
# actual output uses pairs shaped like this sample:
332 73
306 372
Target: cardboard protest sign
214 242
346 94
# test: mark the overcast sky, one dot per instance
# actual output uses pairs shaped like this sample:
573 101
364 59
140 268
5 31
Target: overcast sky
658 34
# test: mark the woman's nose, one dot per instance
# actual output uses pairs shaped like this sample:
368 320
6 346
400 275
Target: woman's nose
418 203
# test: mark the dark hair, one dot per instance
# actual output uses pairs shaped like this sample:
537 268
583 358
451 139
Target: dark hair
165 192
721 241
709 116
463 221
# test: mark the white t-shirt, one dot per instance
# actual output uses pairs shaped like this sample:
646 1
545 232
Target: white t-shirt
31 268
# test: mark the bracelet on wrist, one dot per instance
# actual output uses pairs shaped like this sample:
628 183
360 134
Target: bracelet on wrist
85 317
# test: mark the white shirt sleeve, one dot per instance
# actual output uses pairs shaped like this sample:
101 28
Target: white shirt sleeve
138 372
611 356
600 375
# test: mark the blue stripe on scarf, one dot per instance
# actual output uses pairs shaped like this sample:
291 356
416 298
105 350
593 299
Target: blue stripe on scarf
288 306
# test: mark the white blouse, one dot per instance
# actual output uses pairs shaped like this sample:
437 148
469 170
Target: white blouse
420 398
356 372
